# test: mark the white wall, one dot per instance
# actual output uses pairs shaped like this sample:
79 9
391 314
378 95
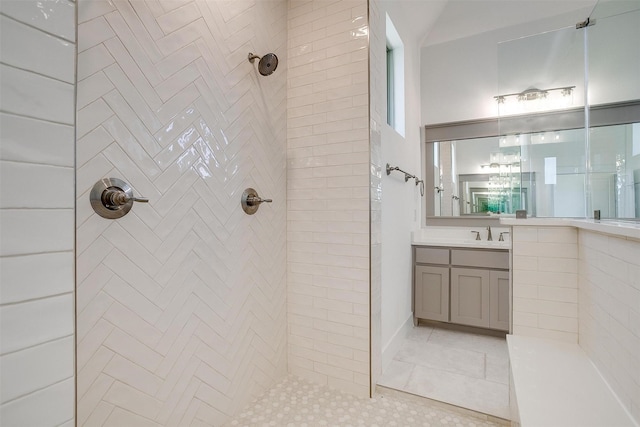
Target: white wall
609 311
461 77
37 119
400 201
328 193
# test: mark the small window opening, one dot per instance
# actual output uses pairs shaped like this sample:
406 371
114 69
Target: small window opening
390 88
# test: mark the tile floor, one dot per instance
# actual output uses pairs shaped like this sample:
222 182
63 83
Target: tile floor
297 402
461 368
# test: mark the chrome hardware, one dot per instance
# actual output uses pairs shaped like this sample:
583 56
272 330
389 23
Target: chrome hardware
489 237
421 183
113 198
501 238
477 234
407 176
586 23
251 201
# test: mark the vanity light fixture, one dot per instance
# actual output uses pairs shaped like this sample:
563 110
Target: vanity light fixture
535 94
535 100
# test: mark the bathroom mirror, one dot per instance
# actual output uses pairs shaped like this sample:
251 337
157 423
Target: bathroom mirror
479 177
544 173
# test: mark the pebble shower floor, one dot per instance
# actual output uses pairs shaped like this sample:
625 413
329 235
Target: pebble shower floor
297 402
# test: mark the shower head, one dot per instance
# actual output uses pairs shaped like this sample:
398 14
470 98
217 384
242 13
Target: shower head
267 64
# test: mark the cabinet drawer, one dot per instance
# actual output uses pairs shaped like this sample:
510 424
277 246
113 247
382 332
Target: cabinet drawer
487 259
432 256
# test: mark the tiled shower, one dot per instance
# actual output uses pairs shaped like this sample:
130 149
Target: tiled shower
186 308
181 303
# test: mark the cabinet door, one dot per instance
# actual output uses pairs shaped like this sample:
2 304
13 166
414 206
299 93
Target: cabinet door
470 297
431 297
499 300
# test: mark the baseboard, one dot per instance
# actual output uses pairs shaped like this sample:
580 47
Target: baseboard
394 344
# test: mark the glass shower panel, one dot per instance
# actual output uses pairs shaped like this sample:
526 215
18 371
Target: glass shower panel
541 73
538 77
615 169
554 162
613 59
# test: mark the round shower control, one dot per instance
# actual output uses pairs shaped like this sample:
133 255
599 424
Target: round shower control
113 198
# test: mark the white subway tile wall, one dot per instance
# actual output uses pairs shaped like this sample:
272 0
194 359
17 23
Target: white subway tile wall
181 303
37 75
609 311
328 193
545 282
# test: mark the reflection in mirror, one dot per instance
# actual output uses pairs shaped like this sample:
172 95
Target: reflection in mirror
615 170
543 173
479 177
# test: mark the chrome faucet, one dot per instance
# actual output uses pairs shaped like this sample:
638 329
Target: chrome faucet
489 237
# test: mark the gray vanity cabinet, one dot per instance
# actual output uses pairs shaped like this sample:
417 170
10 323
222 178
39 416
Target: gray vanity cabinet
463 286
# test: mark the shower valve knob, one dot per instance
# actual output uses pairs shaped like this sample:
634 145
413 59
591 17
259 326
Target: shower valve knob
113 198
117 197
253 201
250 201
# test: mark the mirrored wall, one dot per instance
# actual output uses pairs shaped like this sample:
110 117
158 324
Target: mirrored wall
543 173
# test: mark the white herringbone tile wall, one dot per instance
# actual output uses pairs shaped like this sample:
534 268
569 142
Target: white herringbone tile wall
328 193
180 304
37 88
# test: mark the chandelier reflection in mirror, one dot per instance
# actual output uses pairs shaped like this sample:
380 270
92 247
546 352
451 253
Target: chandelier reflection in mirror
535 100
503 192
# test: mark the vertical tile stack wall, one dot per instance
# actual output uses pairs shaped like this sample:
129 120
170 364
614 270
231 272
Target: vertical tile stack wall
609 311
181 303
545 282
36 217
328 193
377 108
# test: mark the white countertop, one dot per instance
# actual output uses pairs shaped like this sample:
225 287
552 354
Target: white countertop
461 237
616 228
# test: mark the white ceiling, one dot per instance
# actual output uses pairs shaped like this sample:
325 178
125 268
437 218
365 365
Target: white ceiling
439 21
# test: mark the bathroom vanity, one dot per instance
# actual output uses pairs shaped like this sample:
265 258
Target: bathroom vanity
464 282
